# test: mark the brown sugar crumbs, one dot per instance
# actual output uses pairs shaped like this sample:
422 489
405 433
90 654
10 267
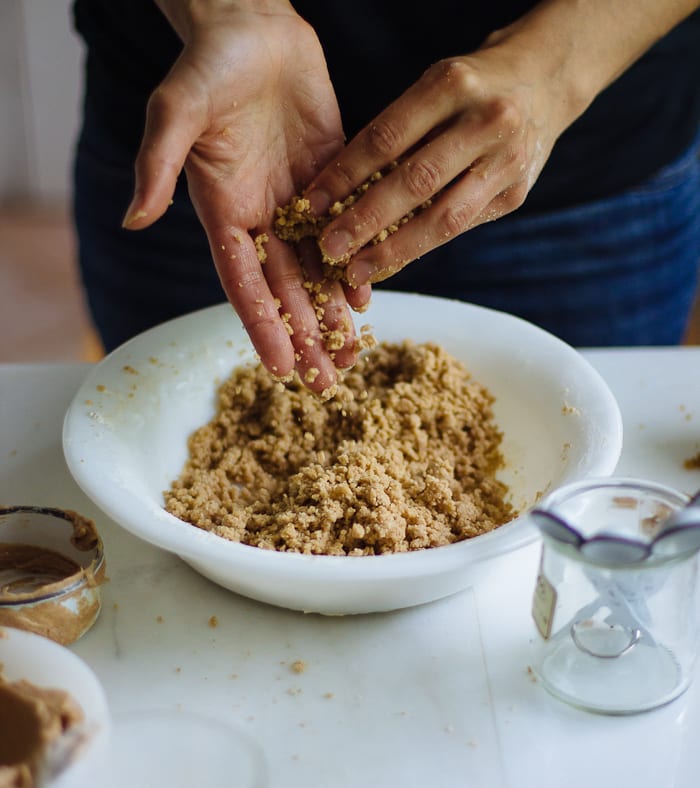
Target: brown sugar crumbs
296 220
404 457
692 463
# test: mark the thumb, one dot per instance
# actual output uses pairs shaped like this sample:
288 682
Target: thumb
168 137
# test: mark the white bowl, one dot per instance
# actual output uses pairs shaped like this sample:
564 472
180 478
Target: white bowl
44 663
125 441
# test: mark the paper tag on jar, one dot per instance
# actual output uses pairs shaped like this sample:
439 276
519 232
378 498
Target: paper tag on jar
544 600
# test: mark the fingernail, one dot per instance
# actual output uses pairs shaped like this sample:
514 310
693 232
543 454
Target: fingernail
319 201
360 272
132 215
336 244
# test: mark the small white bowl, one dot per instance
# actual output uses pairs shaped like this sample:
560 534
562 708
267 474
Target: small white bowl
125 441
44 663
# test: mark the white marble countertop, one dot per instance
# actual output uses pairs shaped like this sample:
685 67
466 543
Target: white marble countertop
437 696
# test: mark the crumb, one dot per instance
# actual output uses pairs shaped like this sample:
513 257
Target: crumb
570 410
160 619
531 674
299 666
692 463
329 695
295 220
130 370
334 340
403 457
260 241
101 388
213 622
329 393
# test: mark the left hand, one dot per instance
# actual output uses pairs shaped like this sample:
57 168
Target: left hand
249 111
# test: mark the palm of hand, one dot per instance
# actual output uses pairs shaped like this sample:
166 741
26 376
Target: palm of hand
269 123
249 110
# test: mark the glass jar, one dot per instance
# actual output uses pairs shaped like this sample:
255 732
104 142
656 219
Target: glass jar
618 633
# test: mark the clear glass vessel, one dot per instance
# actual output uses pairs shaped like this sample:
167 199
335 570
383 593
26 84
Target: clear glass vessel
618 633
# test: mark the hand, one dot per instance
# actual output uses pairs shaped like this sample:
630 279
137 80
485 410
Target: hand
473 134
249 111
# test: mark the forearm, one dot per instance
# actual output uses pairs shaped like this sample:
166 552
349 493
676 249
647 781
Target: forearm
584 45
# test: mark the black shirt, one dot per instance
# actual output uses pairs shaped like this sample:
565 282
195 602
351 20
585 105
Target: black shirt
375 50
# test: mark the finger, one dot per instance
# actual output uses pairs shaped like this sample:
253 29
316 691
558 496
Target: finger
286 280
409 186
332 312
487 135
425 105
358 298
240 271
168 138
504 203
477 197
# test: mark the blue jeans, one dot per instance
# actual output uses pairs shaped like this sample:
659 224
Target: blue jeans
618 271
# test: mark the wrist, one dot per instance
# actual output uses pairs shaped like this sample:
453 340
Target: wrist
185 16
547 55
579 47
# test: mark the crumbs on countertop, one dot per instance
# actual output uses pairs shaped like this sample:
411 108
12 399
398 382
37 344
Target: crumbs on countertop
692 463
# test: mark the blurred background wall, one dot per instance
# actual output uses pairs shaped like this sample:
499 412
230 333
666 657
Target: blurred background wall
42 311
40 89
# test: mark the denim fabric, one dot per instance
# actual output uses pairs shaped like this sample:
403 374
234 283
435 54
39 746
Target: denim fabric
620 271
